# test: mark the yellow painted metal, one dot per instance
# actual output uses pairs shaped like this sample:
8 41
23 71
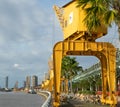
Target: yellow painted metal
57 59
51 75
48 83
71 20
77 41
64 87
62 80
104 51
51 81
42 85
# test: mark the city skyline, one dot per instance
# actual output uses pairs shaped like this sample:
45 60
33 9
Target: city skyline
28 31
29 81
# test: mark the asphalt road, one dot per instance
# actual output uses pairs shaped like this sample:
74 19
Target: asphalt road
18 99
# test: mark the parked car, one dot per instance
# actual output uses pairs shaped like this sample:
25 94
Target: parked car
31 91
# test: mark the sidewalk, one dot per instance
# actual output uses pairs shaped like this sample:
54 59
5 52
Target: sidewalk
78 103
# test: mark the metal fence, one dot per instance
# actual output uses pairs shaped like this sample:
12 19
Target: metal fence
48 96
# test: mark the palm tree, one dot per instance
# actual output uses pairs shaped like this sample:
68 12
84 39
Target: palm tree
100 12
70 68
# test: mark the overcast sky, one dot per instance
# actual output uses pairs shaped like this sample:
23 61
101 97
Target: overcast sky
28 31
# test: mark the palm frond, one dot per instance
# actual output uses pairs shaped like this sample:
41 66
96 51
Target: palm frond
82 3
110 16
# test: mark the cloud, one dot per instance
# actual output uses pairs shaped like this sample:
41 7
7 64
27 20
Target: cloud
28 31
25 37
16 65
28 21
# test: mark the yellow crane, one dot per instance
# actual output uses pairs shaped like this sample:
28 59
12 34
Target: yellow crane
79 41
47 84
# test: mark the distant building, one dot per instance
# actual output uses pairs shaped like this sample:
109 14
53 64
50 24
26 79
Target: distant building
16 85
34 81
28 82
24 84
6 82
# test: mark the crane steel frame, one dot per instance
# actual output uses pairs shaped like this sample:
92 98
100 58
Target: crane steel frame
79 41
104 51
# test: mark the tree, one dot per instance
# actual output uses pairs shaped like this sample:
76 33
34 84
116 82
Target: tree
70 68
100 12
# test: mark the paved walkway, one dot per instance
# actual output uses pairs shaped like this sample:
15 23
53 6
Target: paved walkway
78 103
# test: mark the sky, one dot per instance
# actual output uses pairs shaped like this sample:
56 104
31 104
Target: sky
28 31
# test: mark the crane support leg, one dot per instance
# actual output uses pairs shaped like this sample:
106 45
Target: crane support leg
102 50
57 58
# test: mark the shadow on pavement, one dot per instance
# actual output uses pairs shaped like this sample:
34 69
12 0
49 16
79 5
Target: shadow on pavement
73 104
67 105
78 103
85 105
118 104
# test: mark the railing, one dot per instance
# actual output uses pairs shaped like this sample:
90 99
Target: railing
96 68
48 96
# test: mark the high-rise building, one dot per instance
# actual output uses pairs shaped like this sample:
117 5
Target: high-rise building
16 85
6 82
28 82
24 84
34 81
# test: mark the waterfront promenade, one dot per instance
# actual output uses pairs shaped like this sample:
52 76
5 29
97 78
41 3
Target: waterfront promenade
78 103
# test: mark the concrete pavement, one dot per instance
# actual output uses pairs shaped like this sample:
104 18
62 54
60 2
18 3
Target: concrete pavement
78 103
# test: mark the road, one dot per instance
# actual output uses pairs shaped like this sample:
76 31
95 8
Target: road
18 99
